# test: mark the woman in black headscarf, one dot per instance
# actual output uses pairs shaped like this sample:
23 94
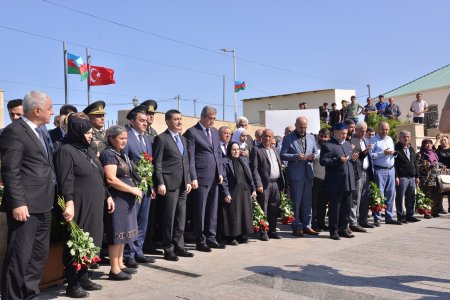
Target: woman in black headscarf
235 194
79 175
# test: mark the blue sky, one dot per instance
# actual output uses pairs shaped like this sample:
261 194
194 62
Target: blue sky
326 44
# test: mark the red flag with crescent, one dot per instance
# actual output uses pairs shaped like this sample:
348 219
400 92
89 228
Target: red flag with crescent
101 76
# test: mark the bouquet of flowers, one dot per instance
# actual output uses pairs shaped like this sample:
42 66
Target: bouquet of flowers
376 203
422 202
144 169
80 243
260 222
287 215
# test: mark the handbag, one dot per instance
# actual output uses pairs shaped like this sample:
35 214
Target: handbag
443 182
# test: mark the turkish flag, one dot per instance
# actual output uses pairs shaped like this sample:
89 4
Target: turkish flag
101 76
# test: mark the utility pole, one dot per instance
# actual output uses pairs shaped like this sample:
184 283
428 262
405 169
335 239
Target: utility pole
368 88
179 104
195 107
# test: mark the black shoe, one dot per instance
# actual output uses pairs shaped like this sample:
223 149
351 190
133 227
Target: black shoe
94 266
366 225
435 215
184 253
76 292
377 223
154 251
119 276
129 271
274 235
334 236
232 242
170 256
144 260
203 248
215 245
90 286
393 222
346 234
412 219
131 263
264 237
242 240
428 216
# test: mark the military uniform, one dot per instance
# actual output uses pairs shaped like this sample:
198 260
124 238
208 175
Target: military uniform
151 133
151 108
99 142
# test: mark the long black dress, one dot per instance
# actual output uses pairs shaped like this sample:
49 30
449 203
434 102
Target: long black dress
120 226
236 216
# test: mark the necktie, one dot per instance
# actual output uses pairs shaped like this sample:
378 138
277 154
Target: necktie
141 141
208 134
41 138
179 144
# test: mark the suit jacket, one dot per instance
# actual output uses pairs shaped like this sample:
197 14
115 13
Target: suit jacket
27 170
134 149
55 134
260 167
230 180
405 167
171 168
358 164
291 148
205 162
339 176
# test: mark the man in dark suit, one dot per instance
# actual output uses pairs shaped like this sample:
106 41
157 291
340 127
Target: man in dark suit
137 144
173 183
205 164
406 178
265 165
29 179
361 169
56 134
225 137
335 156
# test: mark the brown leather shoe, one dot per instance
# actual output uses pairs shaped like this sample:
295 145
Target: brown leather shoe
298 232
357 228
311 231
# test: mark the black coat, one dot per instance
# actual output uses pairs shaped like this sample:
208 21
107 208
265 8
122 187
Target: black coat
230 180
405 167
260 166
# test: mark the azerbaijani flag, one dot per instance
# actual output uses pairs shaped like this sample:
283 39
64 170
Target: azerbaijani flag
76 66
239 86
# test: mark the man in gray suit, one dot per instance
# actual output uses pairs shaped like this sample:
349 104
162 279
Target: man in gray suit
299 149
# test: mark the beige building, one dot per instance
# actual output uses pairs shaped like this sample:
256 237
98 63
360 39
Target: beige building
434 87
254 108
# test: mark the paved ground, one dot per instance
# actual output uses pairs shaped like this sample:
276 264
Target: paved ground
391 262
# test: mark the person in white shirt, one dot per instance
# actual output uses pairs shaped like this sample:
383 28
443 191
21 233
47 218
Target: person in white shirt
419 108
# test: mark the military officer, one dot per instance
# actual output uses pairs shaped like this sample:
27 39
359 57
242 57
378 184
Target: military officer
151 108
96 113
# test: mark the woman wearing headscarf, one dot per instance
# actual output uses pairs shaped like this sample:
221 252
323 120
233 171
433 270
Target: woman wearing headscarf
79 175
429 168
239 136
236 192
121 226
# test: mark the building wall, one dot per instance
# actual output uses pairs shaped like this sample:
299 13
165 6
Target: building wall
254 109
159 124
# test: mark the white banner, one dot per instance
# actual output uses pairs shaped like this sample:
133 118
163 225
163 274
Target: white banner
278 120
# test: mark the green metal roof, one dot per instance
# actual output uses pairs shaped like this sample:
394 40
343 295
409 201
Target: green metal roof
435 79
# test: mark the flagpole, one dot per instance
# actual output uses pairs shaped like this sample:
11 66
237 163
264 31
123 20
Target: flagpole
66 81
235 108
88 61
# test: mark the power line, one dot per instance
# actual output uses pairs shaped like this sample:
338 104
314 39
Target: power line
196 46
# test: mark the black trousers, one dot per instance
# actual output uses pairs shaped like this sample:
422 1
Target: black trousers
26 255
319 203
269 201
205 199
173 218
339 211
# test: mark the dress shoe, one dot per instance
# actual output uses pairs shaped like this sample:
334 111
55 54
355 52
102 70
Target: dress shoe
428 216
403 220
184 253
366 225
119 276
357 228
274 235
393 222
298 232
232 242
412 219
144 260
94 266
90 286
344 233
242 240
317 229
131 263
443 212
215 245
377 223
310 231
170 256
129 271
264 237
203 248
334 236
76 292
435 215
154 251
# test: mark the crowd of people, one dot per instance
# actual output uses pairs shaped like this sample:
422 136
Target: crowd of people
204 178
